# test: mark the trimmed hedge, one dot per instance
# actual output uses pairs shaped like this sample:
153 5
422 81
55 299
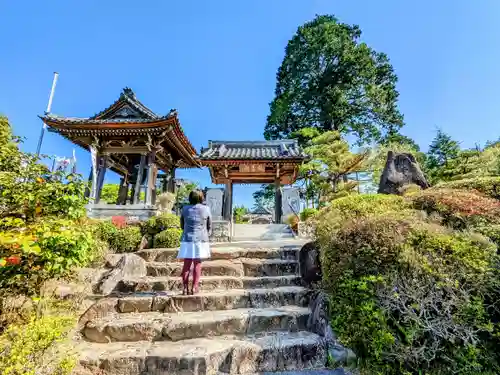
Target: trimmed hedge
330 219
459 209
409 297
119 240
157 224
126 240
307 213
489 186
169 238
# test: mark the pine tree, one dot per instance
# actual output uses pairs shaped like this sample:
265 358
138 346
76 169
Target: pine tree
442 152
331 163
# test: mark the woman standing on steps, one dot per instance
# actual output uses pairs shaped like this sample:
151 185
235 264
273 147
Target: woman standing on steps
196 224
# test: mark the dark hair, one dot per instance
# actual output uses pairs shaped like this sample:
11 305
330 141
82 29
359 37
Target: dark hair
196 197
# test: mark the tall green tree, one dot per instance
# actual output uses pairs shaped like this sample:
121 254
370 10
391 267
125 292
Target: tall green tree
329 80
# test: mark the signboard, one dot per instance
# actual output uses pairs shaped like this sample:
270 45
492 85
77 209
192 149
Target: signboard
252 168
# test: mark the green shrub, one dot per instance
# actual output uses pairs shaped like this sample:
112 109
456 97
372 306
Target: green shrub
331 218
126 240
408 296
169 238
39 346
489 186
105 230
157 224
307 213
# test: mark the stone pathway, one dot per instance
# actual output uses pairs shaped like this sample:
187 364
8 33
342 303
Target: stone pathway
250 317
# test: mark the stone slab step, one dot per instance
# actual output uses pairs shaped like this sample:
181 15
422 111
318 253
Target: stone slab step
166 283
235 267
226 252
280 351
212 300
337 371
156 326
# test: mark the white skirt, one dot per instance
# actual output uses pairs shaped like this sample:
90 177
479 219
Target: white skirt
194 250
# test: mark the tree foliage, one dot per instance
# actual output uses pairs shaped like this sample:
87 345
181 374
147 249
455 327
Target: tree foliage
239 212
330 164
329 80
442 150
264 197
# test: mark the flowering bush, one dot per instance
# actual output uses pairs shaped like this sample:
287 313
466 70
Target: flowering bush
47 249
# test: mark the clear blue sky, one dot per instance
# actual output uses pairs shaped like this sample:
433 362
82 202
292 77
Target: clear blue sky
215 61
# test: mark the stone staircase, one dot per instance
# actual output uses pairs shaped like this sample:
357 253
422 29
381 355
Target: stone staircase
251 316
262 232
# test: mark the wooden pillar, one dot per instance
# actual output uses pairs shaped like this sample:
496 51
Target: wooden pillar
277 201
101 172
137 190
151 181
228 201
123 192
228 206
164 184
132 194
171 181
88 189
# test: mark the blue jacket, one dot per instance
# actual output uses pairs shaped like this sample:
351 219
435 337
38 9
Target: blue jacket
196 223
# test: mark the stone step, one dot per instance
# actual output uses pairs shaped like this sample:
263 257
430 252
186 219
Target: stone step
280 351
235 267
260 232
156 326
212 300
226 252
166 283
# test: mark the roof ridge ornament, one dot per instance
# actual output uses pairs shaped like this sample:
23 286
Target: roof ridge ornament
222 149
127 91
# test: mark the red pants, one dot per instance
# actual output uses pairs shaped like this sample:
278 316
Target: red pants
196 273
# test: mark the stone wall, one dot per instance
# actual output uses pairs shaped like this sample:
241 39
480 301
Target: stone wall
220 231
133 212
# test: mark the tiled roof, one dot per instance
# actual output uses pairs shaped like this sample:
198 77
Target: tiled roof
91 120
126 97
126 109
263 150
260 211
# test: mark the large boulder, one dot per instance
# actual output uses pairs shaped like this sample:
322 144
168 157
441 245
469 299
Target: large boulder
310 266
128 267
401 169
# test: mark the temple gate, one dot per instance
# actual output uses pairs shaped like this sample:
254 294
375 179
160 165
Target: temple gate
252 162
